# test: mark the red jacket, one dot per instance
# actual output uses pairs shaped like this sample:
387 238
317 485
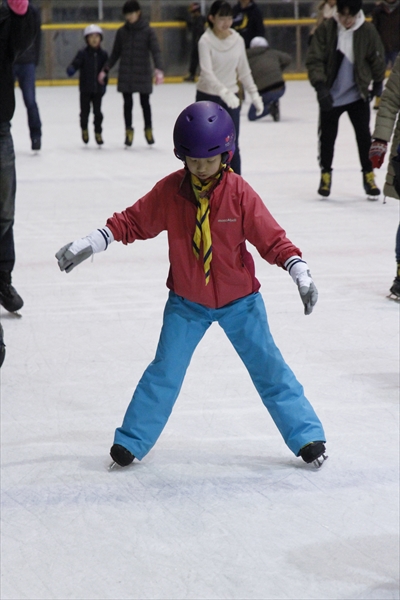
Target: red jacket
237 214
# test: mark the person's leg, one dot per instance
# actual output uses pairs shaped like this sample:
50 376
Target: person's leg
183 327
145 104
359 115
146 108
246 325
26 75
395 289
84 99
8 186
194 59
268 99
398 245
327 133
9 297
98 115
235 115
128 108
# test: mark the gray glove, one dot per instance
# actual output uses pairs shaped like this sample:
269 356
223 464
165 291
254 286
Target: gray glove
299 272
67 260
309 295
74 253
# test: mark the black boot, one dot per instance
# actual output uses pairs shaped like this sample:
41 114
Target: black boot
121 455
9 297
274 110
313 453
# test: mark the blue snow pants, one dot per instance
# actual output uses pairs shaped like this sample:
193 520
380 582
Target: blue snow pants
245 323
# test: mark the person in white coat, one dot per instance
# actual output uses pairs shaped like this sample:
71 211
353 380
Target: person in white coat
223 62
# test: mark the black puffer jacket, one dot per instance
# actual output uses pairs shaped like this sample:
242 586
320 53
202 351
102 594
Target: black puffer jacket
134 45
89 61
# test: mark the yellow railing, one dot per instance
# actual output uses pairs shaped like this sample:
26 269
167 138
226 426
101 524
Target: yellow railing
297 23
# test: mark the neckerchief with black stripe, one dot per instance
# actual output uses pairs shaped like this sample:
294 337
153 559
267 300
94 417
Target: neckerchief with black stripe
202 232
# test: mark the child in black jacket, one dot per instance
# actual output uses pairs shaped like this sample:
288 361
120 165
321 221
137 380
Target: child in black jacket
90 61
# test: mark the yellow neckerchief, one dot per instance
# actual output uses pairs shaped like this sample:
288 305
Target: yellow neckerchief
202 232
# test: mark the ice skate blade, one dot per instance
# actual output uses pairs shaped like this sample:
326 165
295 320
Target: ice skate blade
114 466
373 198
318 462
393 297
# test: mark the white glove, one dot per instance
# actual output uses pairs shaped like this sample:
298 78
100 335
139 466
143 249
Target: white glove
230 99
258 103
73 254
300 273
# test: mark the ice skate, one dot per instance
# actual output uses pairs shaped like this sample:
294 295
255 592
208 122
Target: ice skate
36 144
99 138
121 456
85 136
9 297
129 136
395 289
325 184
370 187
148 134
314 453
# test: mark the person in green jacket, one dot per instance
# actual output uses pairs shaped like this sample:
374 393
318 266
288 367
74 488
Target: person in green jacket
345 55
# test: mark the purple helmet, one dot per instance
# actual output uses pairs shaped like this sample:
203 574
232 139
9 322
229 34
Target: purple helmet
204 129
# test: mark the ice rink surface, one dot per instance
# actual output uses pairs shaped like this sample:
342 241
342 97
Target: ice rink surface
220 508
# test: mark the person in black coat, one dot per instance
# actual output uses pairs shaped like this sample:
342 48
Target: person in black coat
196 25
135 44
90 61
18 29
24 70
248 21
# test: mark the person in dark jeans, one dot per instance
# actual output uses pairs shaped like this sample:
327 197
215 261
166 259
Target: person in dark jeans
89 62
18 28
24 70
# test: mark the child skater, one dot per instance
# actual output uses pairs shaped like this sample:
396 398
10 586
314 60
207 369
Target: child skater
89 62
211 278
135 44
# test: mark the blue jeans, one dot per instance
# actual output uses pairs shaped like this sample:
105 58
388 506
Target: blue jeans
245 323
268 97
26 76
8 185
390 57
235 115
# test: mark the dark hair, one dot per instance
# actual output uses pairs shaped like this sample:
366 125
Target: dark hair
220 8
354 6
130 6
